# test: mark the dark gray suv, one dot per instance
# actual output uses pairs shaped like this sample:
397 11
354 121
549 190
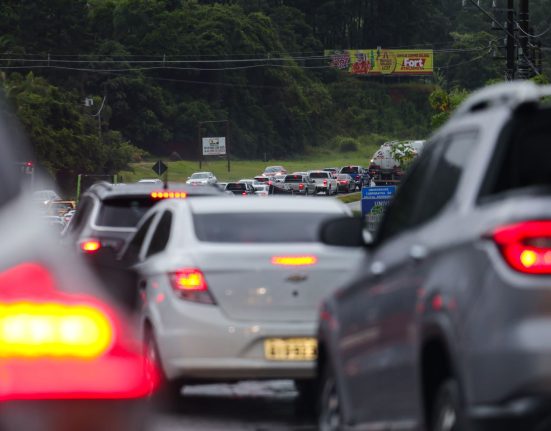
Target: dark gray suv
449 326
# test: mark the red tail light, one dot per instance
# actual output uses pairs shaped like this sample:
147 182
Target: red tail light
526 246
190 284
344 182
324 182
90 246
244 193
55 345
301 186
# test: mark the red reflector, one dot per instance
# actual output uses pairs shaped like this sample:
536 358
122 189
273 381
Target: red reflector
294 260
90 246
55 345
526 246
244 194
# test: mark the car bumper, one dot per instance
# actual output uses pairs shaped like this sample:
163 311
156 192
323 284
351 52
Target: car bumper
200 342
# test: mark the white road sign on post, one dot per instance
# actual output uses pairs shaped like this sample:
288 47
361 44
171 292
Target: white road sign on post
214 146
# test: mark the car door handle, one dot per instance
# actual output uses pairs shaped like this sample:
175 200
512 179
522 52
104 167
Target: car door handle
418 253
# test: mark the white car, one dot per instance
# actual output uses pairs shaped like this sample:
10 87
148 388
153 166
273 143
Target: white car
325 182
262 190
232 287
202 179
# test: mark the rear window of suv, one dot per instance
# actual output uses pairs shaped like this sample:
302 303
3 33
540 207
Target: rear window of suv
294 179
254 228
319 175
236 186
350 170
521 159
123 211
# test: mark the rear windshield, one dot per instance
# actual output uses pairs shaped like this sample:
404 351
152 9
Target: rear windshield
343 177
236 186
253 228
521 160
294 179
319 175
349 170
123 212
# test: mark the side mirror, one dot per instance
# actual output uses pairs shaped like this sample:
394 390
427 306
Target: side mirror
345 232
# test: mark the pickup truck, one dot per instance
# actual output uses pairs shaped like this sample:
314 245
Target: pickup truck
324 182
359 174
300 184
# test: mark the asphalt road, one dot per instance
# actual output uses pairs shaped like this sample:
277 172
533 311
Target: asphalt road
247 406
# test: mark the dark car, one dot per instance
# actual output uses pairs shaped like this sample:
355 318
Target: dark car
244 189
360 174
68 358
345 183
449 325
107 214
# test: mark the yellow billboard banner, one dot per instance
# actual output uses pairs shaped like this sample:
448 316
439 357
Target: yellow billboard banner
394 62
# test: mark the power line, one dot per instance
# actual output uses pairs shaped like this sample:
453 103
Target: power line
535 36
451 66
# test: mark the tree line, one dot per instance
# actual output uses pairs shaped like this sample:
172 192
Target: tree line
162 66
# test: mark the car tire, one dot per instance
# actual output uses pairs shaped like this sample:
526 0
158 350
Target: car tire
169 393
329 402
447 411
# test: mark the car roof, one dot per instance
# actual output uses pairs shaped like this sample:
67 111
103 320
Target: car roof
273 205
104 190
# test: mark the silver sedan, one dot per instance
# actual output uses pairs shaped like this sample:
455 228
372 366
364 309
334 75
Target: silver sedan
232 288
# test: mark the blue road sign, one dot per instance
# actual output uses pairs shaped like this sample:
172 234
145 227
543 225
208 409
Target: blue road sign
376 196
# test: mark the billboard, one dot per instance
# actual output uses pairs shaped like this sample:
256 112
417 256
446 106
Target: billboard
389 62
214 146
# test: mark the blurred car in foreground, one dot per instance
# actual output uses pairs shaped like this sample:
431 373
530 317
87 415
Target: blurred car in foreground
202 179
68 359
232 289
449 326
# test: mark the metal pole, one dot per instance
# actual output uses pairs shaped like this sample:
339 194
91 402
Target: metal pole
524 24
200 145
228 144
79 180
511 55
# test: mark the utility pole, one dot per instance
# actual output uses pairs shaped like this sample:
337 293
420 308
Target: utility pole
524 70
511 45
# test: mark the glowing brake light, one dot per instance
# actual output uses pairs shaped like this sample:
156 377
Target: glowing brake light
190 284
32 330
168 195
55 345
294 260
90 246
324 182
301 186
526 247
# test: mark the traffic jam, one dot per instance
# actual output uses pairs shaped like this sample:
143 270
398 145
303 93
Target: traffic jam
116 308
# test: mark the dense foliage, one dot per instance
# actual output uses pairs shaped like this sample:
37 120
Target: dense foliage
165 65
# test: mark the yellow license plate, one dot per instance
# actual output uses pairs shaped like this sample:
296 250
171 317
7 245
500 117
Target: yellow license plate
291 349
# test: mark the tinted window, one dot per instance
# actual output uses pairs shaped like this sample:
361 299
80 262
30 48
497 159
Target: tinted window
294 179
319 175
161 235
522 156
446 175
135 245
349 170
236 186
259 227
82 213
400 214
123 211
